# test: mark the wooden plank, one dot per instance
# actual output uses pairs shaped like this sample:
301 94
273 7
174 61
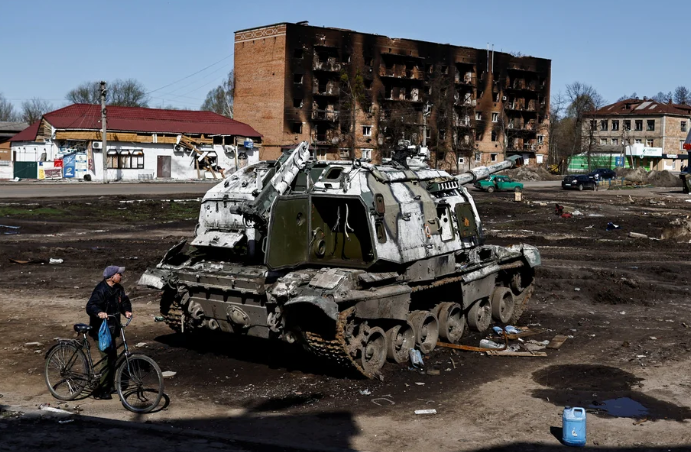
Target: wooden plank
511 353
557 341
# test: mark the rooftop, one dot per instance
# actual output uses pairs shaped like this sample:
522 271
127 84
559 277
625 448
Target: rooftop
138 119
643 107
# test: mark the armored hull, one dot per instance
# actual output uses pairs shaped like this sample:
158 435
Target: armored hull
358 263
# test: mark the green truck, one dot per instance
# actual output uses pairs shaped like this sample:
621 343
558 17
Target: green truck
498 183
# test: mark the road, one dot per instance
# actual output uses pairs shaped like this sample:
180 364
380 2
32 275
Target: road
17 190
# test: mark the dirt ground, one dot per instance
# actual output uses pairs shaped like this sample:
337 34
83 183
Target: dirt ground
624 303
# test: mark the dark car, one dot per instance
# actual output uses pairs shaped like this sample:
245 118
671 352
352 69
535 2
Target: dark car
579 182
603 173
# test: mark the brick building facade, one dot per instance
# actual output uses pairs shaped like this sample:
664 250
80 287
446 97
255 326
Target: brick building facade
355 95
653 131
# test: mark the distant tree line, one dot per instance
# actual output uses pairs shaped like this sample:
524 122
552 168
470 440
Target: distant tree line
681 95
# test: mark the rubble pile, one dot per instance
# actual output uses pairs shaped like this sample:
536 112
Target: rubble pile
663 179
655 178
678 228
530 173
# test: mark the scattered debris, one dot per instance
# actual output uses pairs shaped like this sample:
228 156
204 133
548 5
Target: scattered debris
30 261
577 289
611 226
432 411
416 358
46 407
486 343
168 374
636 235
513 353
419 383
65 421
33 344
141 344
55 261
376 401
433 372
365 392
557 341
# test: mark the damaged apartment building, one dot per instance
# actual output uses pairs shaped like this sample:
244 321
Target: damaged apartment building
355 95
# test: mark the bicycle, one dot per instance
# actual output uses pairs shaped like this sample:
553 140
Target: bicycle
70 371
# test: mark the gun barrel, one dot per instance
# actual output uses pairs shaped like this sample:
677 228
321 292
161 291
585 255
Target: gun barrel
483 172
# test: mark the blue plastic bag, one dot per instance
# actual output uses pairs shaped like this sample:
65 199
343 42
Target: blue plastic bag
105 340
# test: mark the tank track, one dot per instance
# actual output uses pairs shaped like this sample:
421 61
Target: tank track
334 350
174 317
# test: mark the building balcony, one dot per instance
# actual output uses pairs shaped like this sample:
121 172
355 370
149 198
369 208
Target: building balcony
329 90
325 115
465 102
330 65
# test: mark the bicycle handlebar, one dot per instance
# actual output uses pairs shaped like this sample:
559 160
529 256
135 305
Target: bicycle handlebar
121 325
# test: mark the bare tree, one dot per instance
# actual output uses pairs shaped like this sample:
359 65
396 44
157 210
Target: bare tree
398 121
34 109
123 93
557 144
584 100
85 93
625 97
662 98
7 112
220 99
353 97
682 95
127 93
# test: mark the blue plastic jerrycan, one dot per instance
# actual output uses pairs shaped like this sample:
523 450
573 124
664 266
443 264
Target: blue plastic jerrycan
573 426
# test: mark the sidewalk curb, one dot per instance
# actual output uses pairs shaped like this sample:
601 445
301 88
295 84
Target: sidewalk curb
35 414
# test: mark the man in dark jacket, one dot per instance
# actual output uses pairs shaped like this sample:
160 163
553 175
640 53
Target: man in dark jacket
108 298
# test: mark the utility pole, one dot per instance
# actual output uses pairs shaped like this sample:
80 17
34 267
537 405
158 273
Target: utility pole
104 141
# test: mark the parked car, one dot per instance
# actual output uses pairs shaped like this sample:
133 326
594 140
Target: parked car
603 173
579 182
498 183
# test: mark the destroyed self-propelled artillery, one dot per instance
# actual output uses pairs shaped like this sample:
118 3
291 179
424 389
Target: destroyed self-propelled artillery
357 262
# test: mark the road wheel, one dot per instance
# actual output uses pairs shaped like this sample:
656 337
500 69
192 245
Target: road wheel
580 187
517 189
426 329
502 304
490 189
374 351
451 321
480 315
399 341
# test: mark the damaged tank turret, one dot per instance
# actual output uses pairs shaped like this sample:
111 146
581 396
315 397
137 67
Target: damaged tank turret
359 263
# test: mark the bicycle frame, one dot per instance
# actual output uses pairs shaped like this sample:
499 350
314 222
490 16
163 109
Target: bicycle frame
84 345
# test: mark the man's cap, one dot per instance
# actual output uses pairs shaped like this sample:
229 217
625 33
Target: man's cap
111 270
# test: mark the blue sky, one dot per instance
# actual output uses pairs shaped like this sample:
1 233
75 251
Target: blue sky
49 47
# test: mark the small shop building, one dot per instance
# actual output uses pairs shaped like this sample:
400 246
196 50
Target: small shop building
142 144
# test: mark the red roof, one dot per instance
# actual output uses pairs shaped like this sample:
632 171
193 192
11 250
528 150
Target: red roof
137 119
642 107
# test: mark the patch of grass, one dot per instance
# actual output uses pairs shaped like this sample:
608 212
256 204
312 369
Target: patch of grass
147 212
12 211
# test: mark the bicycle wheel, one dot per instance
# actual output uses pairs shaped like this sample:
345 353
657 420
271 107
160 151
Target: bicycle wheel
139 383
67 371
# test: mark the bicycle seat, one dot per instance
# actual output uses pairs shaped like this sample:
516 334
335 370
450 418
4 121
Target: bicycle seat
81 327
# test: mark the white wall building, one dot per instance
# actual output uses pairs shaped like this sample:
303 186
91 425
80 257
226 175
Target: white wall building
142 144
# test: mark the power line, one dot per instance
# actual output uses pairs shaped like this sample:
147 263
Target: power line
195 73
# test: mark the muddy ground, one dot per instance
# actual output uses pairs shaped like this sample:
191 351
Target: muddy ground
624 302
